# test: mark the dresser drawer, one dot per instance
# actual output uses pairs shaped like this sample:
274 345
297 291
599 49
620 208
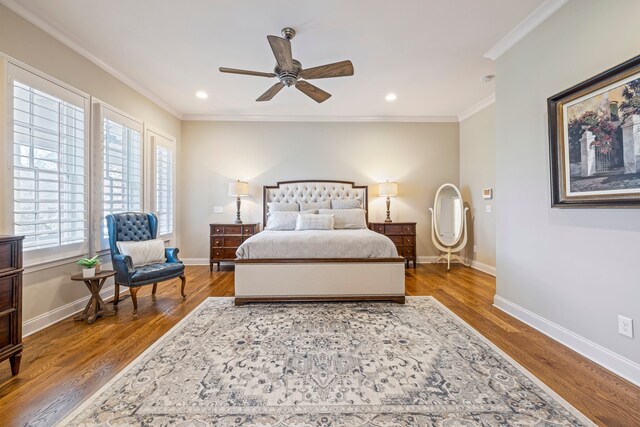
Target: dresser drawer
227 241
378 229
7 292
224 253
6 331
408 252
248 230
8 256
408 240
396 239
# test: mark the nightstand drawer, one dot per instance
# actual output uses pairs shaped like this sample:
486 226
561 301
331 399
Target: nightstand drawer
227 242
248 230
378 228
396 239
224 253
393 229
7 292
408 240
408 252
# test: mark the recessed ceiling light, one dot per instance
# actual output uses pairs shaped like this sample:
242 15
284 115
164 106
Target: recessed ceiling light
391 97
202 94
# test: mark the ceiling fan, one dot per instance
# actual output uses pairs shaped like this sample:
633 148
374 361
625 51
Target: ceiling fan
290 72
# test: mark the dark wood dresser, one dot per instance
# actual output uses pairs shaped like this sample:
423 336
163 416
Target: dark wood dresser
11 300
225 239
403 234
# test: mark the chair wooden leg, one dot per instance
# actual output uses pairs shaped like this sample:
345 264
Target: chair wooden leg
116 296
184 281
155 288
134 292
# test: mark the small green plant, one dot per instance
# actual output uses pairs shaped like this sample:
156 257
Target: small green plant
89 262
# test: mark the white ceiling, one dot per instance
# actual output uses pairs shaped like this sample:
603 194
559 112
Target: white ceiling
429 52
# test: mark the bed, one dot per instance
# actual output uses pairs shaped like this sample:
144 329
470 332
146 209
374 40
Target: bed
336 265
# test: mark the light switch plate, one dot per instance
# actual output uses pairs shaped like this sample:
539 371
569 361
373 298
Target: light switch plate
487 208
217 209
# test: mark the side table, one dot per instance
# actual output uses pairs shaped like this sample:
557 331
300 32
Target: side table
96 307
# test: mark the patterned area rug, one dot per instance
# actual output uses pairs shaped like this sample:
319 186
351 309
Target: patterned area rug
330 364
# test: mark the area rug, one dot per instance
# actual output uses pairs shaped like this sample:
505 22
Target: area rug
329 364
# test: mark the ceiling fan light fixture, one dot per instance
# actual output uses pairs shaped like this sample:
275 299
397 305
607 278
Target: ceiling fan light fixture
202 94
391 97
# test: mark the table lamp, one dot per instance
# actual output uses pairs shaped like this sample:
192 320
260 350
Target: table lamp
388 190
238 189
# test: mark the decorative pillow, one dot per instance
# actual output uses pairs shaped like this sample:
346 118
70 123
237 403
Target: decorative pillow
144 252
352 219
314 222
345 204
315 205
283 207
284 221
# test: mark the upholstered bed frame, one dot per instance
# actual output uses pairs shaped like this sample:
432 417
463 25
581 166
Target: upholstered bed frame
304 279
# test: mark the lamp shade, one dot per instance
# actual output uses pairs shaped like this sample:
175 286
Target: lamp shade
238 189
388 189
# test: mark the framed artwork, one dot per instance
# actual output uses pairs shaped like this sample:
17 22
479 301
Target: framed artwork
594 140
487 193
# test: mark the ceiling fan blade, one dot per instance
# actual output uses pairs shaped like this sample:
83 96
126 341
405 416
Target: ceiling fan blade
273 90
337 69
312 91
245 72
281 48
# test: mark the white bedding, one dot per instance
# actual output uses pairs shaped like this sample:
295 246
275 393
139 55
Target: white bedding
317 244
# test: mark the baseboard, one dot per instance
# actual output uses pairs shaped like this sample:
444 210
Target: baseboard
604 357
44 320
485 268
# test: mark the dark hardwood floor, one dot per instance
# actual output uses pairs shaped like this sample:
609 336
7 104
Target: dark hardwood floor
69 361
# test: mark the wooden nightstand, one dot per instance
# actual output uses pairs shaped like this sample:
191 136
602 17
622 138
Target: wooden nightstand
225 239
403 234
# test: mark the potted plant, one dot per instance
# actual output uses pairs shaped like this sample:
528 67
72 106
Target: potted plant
90 265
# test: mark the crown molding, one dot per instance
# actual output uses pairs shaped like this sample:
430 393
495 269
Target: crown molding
528 24
64 39
353 119
477 107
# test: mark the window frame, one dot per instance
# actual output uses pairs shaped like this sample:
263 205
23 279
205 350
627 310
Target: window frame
33 78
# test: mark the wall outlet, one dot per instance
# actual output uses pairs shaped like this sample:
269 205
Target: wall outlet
217 209
625 326
488 208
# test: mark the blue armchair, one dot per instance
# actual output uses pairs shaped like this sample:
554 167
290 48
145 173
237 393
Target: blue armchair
133 226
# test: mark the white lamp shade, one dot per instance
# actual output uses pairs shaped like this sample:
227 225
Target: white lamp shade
238 189
388 189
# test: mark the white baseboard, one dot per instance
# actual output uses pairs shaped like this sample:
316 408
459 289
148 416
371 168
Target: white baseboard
44 320
486 268
620 365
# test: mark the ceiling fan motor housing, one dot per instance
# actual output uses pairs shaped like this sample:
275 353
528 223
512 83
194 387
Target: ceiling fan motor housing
289 77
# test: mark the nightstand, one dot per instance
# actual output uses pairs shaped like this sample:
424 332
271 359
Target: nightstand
225 239
403 234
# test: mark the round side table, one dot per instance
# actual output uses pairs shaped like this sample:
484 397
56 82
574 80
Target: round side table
96 307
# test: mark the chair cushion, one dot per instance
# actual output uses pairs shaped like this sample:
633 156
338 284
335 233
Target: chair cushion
156 271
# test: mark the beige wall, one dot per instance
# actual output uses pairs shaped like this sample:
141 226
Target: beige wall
51 289
478 171
577 268
420 156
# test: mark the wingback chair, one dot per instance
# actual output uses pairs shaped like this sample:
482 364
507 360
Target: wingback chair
133 226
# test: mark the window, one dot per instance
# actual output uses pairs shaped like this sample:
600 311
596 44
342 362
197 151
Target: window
121 165
49 151
164 154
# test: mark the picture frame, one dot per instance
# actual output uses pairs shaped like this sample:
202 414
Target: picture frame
487 193
594 140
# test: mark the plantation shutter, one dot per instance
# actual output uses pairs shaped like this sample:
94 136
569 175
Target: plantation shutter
164 189
50 140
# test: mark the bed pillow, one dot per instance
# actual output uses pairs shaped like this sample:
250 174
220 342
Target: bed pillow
144 252
345 204
352 219
284 221
314 222
315 205
283 207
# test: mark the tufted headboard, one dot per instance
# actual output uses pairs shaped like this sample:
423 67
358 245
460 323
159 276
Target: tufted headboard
316 190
